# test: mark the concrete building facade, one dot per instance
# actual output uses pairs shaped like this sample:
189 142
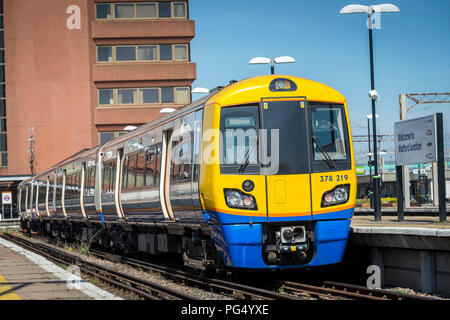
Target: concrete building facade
77 72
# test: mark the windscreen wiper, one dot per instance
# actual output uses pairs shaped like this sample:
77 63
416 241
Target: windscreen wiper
326 157
247 157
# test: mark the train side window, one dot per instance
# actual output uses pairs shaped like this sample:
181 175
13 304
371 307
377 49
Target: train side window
150 167
67 194
106 177
131 172
158 149
140 170
59 183
42 192
112 181
197 149
51 191
124 173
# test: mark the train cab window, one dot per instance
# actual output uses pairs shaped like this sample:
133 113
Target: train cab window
239 140
329 138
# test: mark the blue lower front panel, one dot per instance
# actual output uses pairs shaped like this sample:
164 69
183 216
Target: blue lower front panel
240 245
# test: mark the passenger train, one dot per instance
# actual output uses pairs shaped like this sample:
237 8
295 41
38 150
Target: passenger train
258 174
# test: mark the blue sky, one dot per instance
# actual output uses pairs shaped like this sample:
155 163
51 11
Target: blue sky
411 50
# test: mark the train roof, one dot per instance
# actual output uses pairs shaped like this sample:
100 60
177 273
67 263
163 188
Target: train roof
251 90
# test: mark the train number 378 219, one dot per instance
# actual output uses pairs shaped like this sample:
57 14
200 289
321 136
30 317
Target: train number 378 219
338 177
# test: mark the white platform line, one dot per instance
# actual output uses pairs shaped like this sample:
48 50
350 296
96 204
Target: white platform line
85 287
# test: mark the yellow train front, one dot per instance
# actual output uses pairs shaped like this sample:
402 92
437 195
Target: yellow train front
277 180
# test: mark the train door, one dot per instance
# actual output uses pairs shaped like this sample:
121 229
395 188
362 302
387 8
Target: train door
36 198
26 204
164 186
52 194
63 195
284 151
19 202
196 161
181 168
48 196
82 187
31 203
118 183
89 189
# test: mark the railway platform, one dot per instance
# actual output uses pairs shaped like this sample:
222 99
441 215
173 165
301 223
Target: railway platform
27 276
9 224
414 253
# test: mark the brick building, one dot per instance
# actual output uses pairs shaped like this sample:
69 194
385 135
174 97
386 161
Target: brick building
75 73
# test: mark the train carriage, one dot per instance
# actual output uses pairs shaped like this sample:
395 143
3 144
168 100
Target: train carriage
258 174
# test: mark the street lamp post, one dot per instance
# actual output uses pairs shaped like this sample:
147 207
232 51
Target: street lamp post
272 62
370 10
369 116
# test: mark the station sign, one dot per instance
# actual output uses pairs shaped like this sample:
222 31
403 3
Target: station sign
7 197
415 141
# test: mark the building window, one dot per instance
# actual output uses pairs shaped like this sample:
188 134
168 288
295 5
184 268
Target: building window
141 10
4 159
150 95
142 96
2 108
147 53
167 95
165 52
126 96
106 96
3 146
179 10
129 53
104 54
103 10
180 52
146 10
105 137
182 95
164 9
124 10
3 136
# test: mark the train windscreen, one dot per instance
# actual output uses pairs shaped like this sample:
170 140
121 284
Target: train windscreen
283 137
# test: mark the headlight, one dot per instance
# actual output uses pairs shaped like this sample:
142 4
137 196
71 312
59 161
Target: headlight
239 200
338 195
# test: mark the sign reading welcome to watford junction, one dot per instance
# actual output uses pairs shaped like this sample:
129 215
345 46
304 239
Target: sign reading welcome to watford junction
415 141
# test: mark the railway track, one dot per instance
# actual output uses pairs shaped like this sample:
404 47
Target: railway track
337 290
142 288
292 290
236 290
